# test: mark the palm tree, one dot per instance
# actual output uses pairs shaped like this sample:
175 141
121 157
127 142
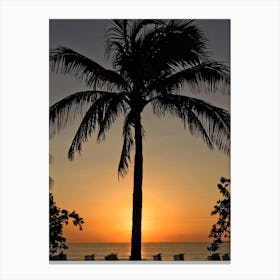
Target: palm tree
152 60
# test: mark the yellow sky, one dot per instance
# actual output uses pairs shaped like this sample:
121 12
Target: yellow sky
179 185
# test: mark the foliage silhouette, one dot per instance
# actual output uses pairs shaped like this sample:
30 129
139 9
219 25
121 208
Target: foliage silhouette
221 229
152 61
57 218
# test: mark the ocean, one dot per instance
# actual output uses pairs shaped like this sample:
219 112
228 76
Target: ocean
193 251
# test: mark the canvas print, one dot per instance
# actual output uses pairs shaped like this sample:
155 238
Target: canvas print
139 140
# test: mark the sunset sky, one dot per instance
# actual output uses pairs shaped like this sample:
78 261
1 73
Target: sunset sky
180 172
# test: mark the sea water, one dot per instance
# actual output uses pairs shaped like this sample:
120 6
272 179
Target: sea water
193 251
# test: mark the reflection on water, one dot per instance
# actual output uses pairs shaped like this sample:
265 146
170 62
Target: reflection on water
193 251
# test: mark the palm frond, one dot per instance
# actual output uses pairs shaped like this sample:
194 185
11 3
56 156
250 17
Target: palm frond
128 143
67 61
67 109
118 41
114 107
165 105
207 76
210 123
217 123
138 25
196 128
119 57
119 32
174 43
89 123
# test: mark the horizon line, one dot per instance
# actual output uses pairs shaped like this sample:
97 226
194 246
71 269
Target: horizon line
226 241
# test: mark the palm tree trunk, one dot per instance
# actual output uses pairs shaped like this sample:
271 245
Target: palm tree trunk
137 193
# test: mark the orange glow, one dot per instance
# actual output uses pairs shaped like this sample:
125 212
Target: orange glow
177 198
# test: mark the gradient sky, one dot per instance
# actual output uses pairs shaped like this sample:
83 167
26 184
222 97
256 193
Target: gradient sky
180 172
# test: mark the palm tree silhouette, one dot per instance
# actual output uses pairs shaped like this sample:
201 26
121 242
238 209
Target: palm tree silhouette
151 60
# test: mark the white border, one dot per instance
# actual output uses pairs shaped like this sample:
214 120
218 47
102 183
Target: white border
255 137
